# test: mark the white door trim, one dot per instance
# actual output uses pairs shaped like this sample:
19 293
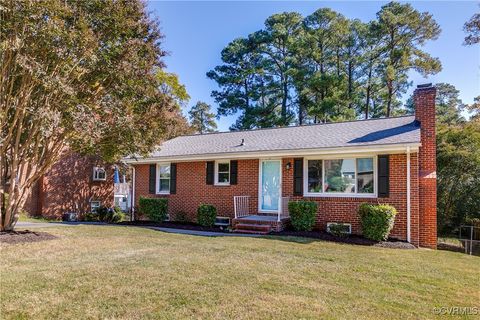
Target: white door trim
260 210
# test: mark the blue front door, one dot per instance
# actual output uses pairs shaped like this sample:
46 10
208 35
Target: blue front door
270 185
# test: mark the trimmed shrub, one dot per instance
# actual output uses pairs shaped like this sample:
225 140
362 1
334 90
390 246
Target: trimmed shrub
206 215
90 216
154 208
103 213
302 214
376 220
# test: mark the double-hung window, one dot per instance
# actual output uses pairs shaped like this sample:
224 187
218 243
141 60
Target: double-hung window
94 205
163 178
99 174
342 176
222 172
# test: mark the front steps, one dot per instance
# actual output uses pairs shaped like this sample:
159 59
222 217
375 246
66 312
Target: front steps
252 228
256 224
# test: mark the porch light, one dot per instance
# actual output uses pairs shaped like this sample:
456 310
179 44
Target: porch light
288 166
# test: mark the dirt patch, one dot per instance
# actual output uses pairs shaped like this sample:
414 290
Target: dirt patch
24 236
175 225
351 239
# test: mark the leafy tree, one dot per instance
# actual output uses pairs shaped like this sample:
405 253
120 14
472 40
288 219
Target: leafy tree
474 108
243 84
276 42
458 160
170 86
472 28
402 31
202 119
78 75
326 32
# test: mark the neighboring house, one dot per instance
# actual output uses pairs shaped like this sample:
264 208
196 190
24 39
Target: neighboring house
250 176
76 183
122 196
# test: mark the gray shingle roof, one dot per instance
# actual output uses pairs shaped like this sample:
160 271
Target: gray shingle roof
386 131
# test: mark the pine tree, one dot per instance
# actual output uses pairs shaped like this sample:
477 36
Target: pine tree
202 119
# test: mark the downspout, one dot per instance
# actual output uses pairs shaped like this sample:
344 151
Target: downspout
133 195
408 195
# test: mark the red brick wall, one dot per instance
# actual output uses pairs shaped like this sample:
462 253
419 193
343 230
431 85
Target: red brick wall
69 186
424 99
192 190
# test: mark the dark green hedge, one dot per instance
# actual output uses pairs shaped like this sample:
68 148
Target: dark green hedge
154 208
376 220
206 215
302 214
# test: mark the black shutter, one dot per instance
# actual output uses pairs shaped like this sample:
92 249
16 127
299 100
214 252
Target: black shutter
298 176
173 178
233 171
210 171
151 179
383 176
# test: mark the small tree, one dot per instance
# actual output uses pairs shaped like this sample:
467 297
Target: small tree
72 78
202 119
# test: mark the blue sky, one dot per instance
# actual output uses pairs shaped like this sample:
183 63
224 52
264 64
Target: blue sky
196 32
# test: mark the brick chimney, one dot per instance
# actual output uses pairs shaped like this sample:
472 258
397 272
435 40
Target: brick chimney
424 100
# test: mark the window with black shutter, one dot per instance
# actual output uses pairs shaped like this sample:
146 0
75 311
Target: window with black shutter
383 176
151 179
233 172
298 176
173 178
210 172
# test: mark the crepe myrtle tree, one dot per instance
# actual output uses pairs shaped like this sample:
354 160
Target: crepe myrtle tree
77 75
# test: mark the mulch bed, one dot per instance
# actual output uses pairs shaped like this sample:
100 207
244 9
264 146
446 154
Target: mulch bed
351 239
320 235
175 225
24 236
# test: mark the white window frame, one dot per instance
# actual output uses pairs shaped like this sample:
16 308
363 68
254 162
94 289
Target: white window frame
324 194
216 172
157 181
91 205
96 170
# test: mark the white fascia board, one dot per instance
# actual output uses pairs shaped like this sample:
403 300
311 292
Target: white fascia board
387 148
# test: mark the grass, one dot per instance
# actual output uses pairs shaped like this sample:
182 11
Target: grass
27 218
132 273
450 240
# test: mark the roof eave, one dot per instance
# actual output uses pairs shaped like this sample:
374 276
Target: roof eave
377 148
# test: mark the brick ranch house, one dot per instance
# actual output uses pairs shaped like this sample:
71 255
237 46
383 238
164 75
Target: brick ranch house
250 176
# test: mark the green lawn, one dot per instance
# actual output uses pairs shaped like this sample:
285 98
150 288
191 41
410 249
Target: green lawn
132 273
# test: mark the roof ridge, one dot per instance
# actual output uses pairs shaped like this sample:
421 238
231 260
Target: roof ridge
290 127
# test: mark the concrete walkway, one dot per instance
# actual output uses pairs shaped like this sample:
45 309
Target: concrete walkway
28 225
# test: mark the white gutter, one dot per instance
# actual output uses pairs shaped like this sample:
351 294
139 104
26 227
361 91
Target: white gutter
391 149
133 194
408 194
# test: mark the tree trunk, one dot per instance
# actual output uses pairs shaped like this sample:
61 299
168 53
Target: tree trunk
389 99
350 84
284 103
369 88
